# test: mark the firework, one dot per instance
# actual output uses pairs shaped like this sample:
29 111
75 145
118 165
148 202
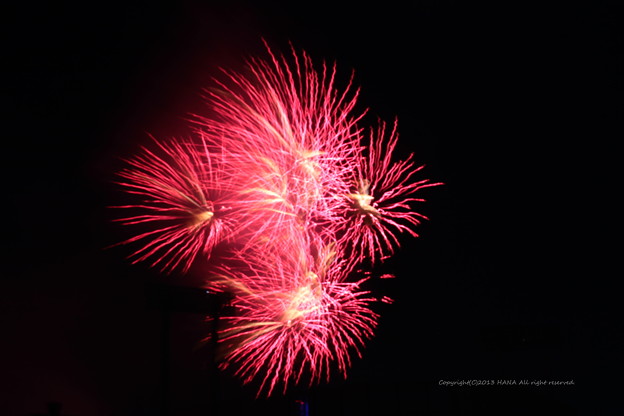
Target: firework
295 316
281 179
291 132
381 200
183 201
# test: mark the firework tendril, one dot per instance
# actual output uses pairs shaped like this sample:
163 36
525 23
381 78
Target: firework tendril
284 199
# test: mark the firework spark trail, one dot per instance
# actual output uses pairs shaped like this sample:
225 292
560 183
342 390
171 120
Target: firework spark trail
278 176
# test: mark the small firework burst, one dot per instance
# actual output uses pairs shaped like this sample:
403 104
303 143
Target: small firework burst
181 199
381 201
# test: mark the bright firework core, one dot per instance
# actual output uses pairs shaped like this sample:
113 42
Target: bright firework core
202 219
283 181
362 201
304 301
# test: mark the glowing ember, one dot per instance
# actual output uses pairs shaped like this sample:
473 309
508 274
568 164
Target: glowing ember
280 180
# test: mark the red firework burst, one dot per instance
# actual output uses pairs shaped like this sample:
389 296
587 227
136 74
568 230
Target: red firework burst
380 203
291 132
295 316
183 200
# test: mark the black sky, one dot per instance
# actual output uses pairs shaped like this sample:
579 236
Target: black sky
513 105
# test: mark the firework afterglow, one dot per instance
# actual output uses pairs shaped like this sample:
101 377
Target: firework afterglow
299 200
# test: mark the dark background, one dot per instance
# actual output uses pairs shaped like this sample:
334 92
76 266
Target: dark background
513 105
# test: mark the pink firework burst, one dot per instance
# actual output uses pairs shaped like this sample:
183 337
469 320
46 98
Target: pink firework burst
380 204
182 200
295 316
291 133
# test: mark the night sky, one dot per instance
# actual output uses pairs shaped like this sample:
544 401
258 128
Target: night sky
513 105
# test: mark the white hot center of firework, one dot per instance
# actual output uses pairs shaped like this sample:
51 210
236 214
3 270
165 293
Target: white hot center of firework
305 300
202 218
308 161
362 200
